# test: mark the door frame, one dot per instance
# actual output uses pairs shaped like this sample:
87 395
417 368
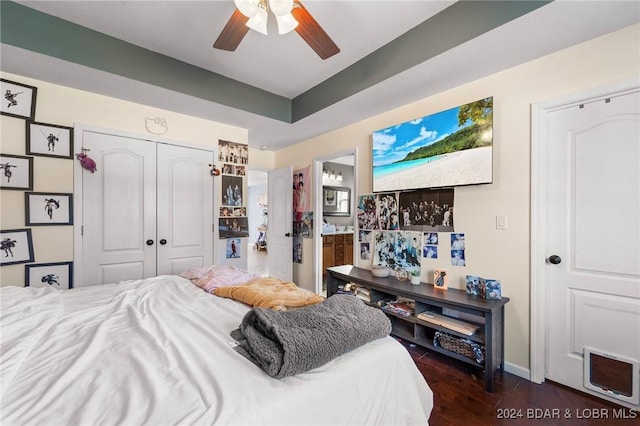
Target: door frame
317 208
538 288
78 130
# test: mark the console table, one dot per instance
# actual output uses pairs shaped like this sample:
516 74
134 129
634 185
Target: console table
487 315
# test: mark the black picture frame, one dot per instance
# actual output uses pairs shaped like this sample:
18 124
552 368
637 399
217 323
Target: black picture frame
49 140
58 275
17 172
16 246
48 208
23 107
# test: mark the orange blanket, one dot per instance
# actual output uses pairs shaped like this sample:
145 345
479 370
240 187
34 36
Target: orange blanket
269 292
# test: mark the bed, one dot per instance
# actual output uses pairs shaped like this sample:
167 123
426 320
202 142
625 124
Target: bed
158 351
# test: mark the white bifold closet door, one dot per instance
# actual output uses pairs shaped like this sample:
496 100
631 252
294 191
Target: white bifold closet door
148 209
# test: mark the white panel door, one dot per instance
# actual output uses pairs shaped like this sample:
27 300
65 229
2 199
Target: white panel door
592 224
185 209
280 255
118 210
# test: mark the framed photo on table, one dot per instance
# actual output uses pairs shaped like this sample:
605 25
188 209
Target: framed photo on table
16 246
49 140
19 100
48 208
16 172
58 275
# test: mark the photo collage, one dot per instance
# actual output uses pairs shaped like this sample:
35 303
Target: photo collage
233 221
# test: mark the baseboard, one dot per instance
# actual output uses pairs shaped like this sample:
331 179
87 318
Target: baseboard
517 370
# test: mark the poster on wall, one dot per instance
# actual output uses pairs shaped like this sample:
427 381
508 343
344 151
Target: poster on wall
19 99
458 257
297 249
430 247
233 248
233 227
57 275
427 210
387 208
397 249
232 191
304 228
367 212
232 152
301 193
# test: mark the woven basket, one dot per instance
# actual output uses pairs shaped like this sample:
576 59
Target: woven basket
461 346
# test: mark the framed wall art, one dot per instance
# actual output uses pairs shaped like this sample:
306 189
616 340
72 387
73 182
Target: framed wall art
16 172
58 275
48 208
16 246
49 140
19 99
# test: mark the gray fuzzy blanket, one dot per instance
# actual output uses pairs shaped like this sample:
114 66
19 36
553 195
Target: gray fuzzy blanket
284 343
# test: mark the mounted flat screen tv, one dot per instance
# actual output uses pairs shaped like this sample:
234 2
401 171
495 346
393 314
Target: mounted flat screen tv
446 149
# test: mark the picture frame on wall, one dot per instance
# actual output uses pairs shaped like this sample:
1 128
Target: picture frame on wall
49 140
16 172
48 208
19 99
58 275
16 246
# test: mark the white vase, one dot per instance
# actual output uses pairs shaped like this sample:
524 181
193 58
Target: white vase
415 279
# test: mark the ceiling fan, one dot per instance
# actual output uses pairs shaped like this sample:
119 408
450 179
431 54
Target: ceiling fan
290 14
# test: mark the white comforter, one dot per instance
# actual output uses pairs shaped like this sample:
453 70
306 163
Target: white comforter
158 352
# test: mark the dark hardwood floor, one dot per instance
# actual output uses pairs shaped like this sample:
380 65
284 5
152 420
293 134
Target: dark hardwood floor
460 398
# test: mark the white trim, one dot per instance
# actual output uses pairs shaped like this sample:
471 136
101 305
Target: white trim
539 113
517 370
317 208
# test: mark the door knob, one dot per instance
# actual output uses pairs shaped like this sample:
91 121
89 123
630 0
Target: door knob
288 234
163 241
149 242
555 259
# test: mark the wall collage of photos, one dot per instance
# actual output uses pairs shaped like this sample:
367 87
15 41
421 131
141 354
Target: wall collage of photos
41 208
302 216
233 222
406 229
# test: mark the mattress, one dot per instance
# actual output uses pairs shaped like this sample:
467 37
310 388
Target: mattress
158 352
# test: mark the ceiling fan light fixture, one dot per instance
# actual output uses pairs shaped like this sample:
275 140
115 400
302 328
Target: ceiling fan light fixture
286 23
248 8
258 21
281 7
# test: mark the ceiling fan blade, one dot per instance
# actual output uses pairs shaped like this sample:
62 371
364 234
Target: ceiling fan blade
232 33
312 32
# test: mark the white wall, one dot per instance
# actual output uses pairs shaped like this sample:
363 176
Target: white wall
502 255
65 106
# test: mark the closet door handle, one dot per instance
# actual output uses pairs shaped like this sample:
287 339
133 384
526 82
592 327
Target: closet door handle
163 241
149 242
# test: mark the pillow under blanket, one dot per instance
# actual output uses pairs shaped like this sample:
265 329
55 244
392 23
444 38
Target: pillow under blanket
285 343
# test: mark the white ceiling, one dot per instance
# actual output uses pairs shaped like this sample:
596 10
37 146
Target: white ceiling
286 65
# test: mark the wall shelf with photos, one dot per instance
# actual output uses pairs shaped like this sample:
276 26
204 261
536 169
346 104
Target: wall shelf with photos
476 337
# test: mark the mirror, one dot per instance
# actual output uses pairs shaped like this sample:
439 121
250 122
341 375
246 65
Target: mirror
336 201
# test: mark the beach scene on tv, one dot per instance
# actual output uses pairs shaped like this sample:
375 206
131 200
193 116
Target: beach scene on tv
448 148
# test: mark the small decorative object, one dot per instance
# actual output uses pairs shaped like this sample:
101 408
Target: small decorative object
86 162
402 274
380 271
16 246
17 172
49 140
440 279
156 126
415 276
19 99
48 208
214 170
57 275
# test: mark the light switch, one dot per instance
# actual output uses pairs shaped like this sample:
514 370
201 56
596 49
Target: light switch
501 222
